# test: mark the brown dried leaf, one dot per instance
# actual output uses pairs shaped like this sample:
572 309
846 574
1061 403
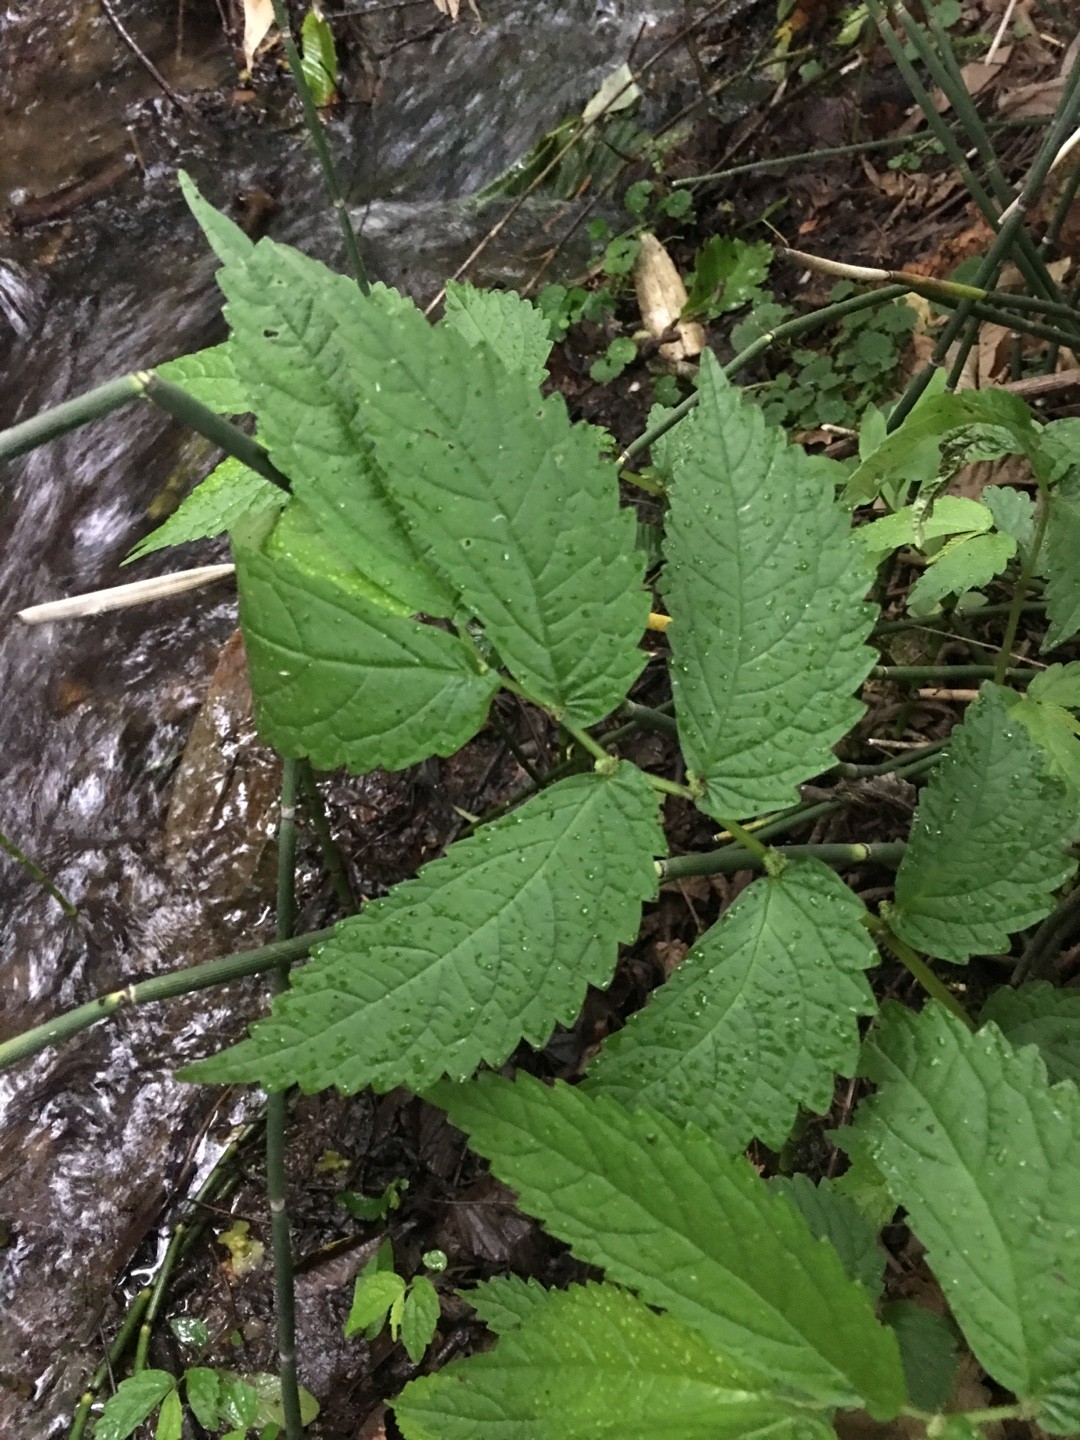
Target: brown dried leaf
661 296
258 20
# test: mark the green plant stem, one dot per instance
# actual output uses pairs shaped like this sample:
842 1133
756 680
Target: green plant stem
647 718
318 139
330 852
113 1355
1010 228
61 419
997 307
836 152
217 1187
219 431
1037 960
586 742
734 857
276 1118
36 873
917 967
894 627
785 820
515 749
670 787
747 839
1027 570
162 987
826 315
141 384
947 674
911 759
1030 263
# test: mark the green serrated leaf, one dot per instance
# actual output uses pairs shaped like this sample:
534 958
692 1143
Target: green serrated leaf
318 57
292 346
864 1185
1059 445
661 1208
965 563
758 1017
988 843
135 1399
493 943
1013 512
419 1318
229 494
210 376
765 583
344 683
504 1301
594 1361
834 1216
985 1156
373 1296
729 262
1058 685
511 327
1062 572
1042 1015
300 538
928 1349
1055 731
504 498
224 236
239 1401
951 515
909 454
170 1421
269 1408
202 1387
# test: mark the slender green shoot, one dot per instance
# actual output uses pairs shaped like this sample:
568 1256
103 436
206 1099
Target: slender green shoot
276 1122
322 149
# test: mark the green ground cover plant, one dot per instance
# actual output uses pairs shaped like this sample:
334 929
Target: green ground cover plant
417 527
447 532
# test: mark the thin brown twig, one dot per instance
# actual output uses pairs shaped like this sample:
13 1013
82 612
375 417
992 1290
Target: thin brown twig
144 60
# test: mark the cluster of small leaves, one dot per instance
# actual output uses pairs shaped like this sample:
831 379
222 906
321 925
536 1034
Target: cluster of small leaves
430 479
382 1297
754 1320
834 384
222 1401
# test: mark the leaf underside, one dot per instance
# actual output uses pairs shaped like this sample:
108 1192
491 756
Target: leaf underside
494 943
662 1209
988 843
757 1018
985 1156
594 1361
383 420
765 584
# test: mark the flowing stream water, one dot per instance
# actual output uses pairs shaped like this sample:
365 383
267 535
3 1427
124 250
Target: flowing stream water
96 712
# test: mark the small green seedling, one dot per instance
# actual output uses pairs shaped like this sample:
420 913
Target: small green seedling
410 1307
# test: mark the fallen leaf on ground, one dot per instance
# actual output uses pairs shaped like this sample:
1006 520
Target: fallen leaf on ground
661 296
258 20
